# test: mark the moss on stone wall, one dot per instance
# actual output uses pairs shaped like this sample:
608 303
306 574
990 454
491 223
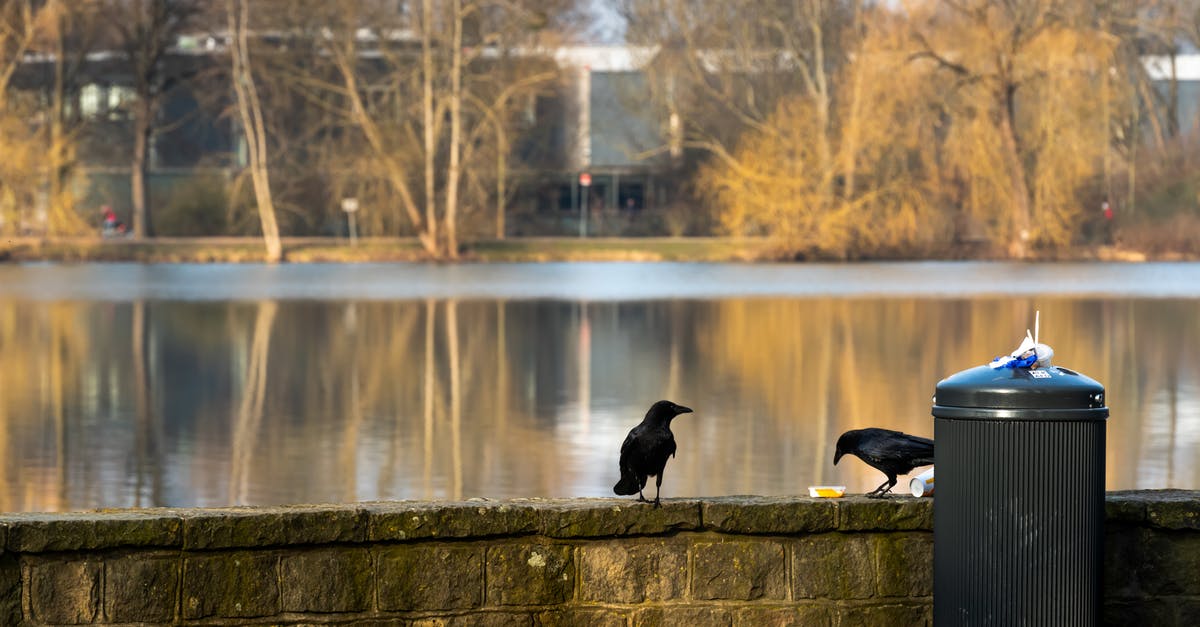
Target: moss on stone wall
733 561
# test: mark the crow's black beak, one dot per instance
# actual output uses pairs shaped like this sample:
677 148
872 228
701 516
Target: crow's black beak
836 457
680 409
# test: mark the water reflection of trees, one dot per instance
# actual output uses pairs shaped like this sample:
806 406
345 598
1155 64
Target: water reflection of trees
822 366
168 403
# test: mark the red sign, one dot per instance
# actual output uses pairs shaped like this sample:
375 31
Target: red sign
585 179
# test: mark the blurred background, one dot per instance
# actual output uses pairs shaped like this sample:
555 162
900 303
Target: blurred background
832 128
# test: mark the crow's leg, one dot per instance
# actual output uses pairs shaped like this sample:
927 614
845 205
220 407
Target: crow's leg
884 488
642 499
657 489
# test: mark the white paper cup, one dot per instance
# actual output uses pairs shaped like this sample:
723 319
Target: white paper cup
922 484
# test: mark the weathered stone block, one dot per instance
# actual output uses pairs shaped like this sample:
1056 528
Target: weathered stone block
833 566
555 518
530 574
141 589
327 580
1147 612
1125 507
139 529
904 564
632 573
65 592
886 615
490 619
769 515
472 519
1167 562
798 616
684 616
893 514
1122 552
1188 612
430 577
10 589
40 533
230 585
248 528
1174 509
590 618
591 518
739 570
36 533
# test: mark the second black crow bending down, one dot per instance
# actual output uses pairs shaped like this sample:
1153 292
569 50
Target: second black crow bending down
646 450
890 452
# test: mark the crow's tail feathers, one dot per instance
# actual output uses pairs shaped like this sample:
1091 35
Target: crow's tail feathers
627 485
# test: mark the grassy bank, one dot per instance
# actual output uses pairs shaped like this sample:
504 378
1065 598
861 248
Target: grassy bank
337 250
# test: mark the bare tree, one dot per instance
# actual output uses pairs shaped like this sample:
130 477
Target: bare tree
19 168
146 31
18 31
42 152
1002 62
413 84
250 111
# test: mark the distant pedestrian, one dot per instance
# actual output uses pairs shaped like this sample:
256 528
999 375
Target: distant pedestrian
112 225
1107 211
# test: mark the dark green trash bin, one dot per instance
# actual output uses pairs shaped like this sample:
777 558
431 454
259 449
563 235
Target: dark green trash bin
1019 508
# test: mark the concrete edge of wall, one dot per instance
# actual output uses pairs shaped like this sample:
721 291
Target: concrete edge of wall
398 521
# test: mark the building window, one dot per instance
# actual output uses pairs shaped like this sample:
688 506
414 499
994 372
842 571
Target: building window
93 100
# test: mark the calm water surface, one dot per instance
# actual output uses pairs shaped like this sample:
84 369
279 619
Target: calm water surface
201 385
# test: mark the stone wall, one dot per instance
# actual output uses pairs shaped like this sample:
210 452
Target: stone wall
723 561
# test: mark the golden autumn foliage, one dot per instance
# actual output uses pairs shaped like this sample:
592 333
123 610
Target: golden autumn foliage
35 155
869 189
978 121
1025 115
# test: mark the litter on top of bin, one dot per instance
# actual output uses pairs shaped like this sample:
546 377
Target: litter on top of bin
1030 354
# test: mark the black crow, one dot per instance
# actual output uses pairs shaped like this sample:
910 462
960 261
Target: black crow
646 450
890 452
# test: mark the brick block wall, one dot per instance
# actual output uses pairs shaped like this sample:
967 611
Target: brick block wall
725 561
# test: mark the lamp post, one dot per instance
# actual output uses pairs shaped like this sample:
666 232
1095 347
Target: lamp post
585 181
350 206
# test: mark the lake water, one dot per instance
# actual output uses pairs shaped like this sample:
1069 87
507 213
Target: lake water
205 385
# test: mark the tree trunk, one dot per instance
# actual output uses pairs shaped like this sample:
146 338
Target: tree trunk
454 174
853 124
501 179
822 98
142 129
1173 99
253 126
428 117
56 121
1017 247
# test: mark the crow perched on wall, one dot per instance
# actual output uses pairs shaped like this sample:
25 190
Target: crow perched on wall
891 452
646 450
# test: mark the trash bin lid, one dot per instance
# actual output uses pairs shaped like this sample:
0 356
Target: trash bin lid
1052 393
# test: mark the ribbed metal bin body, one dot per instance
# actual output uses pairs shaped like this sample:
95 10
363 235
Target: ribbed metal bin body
1019 508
